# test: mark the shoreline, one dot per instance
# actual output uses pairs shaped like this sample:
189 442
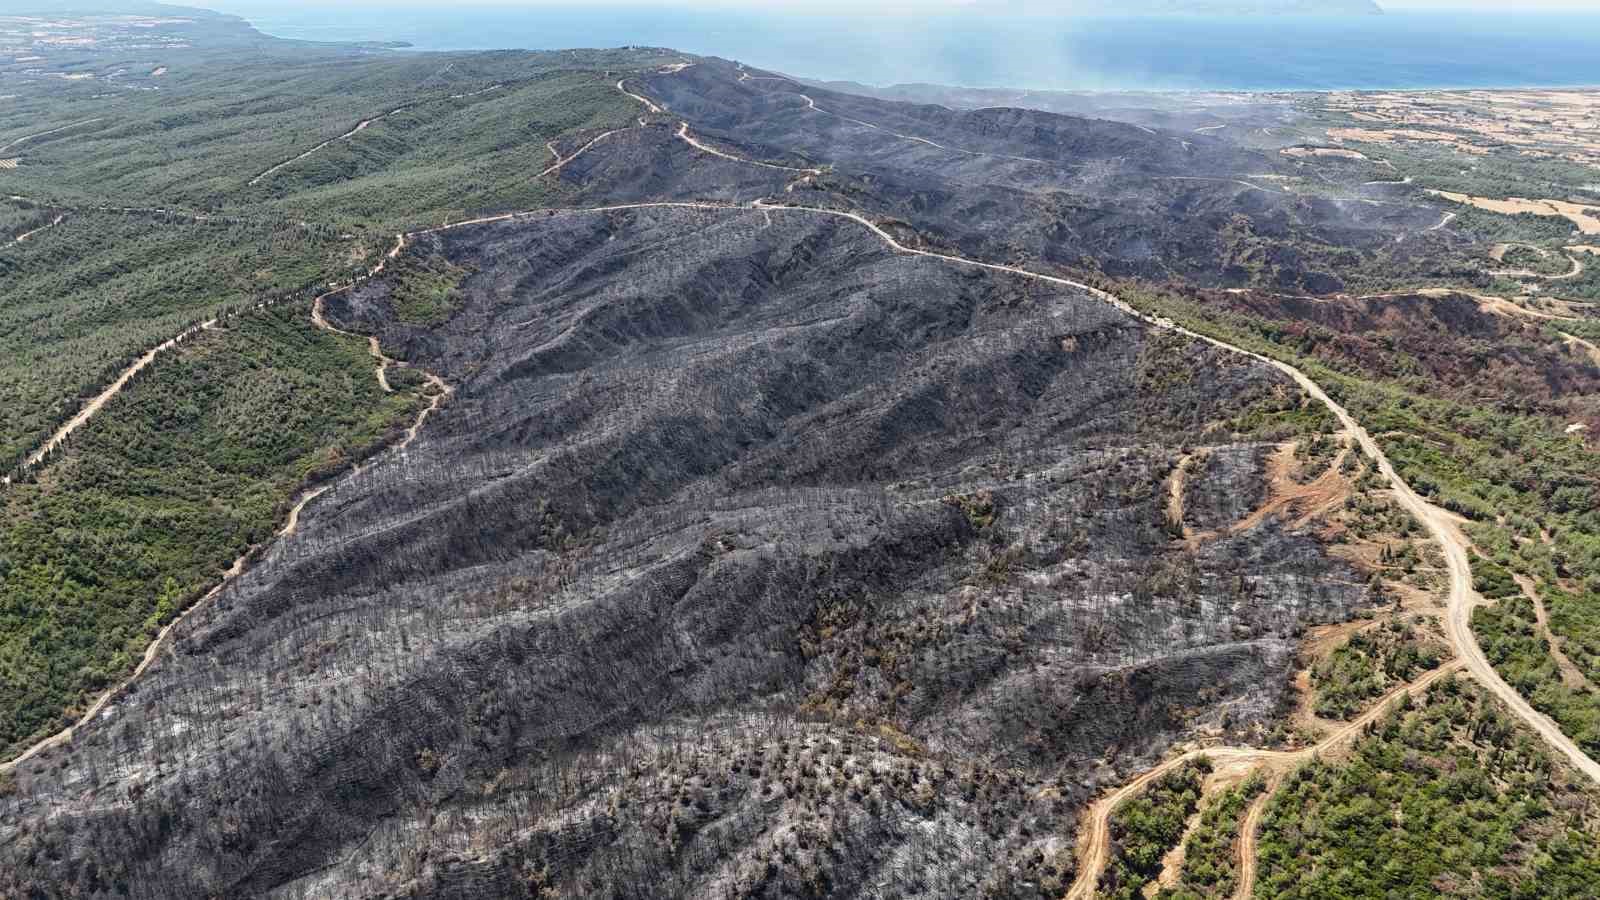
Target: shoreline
782 51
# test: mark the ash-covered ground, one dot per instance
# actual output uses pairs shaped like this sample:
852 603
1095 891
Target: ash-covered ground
749 557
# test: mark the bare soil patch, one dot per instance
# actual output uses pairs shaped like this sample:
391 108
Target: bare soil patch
1587 218
1338 152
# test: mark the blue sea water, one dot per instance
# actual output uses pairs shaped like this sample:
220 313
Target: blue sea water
1433 49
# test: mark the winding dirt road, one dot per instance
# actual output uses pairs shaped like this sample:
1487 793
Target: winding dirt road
648 104
691 140
442 392
1094 844
561 162
1575 341
1573 256
28 234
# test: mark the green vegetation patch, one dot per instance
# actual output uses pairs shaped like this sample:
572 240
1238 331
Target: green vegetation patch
1368 665
1575 616
156 497
1508 633
1147 827
424 290
1444 797
1210 862
86 298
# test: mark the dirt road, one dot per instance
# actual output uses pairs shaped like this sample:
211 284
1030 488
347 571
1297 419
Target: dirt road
106 395
442 391
1245 852
1571 676
691 140
1575 341
28 234
1094 848
1094 844
561 162
1574 272
29 137
360 127
647 103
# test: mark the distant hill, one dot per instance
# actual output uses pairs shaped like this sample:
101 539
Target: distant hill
1187 7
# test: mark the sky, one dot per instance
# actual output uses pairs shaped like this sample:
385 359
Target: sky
905 6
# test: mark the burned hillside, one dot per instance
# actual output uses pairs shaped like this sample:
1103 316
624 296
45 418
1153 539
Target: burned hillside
747 555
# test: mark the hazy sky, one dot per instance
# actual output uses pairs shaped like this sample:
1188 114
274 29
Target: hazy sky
1508 6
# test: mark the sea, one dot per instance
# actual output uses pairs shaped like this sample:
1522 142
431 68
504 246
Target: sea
1397 50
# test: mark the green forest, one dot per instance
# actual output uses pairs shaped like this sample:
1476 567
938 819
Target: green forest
1444 796
173 482
1146 827
175 208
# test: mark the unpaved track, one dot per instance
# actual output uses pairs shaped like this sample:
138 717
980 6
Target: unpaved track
1245 852
64 736
442 391
1574 272
1571 675
29 137
360 127
691 140
106 395
561 162
1575 341
1094 848
1094 845
648 104
1441 527
28 234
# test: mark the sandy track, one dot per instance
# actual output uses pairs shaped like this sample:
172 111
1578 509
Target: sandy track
1576 213
442 391
28 234
1574 272
361 126
646 101
1329 491
1094 847
1175 488
30 137
1575 341
64 736
106 395
1571 676
561 162
1245 852
691 140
